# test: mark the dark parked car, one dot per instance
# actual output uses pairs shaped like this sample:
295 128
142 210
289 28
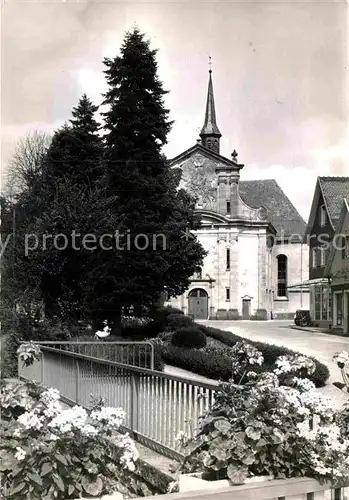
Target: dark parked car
302 318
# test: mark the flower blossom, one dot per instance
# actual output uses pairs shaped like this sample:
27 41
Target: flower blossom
30 420
111 416
20 454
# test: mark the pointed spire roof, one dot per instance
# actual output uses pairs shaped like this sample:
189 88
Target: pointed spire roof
210 126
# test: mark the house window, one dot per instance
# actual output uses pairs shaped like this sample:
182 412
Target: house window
319 257
227 294
228 207
228 258
282 275
339 309
323 216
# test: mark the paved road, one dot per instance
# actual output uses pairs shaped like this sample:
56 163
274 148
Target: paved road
280 332
320 345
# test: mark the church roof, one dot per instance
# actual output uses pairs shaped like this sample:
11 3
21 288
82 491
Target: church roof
210 126
281 212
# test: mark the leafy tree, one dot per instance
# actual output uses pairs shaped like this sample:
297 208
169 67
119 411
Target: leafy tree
57 200
26 162
145 190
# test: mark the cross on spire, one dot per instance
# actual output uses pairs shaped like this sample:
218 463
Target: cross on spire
210 64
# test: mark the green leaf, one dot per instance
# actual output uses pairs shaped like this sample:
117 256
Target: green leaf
223 426
71 489
58 482
95 488
18 488
253 433
46 468
237 475
61 459
35 477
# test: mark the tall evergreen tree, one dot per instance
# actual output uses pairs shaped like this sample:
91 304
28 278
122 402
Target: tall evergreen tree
147 199
77 149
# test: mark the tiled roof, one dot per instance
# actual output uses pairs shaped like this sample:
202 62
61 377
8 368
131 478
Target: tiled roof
334 189
281 213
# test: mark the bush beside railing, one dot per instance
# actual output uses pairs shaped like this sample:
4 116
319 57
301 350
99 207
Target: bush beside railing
159 407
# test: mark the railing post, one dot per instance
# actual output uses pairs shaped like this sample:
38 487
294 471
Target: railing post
77 377
135 379
42 368
152 353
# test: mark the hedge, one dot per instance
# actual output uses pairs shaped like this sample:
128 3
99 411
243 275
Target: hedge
270 353
175 321
190 337
197 361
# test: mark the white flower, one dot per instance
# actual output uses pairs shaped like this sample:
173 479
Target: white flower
111 416
303 384
30 420
341 357
130 454
68 419
53 437
20 454
50 395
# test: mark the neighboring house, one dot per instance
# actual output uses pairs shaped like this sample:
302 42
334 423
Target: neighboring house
323 220
251 230
337 270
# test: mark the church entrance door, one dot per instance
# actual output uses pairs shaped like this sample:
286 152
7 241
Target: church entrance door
198 303
246 308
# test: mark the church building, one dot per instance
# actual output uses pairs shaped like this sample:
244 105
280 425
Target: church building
251 231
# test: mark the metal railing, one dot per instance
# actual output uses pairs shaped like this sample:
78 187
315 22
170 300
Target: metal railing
158 406
130 353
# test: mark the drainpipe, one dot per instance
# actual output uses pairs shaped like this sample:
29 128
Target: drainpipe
218 277
258 271
301 275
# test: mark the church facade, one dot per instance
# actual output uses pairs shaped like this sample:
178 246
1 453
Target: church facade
251 231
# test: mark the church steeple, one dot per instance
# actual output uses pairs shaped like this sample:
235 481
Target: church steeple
210 133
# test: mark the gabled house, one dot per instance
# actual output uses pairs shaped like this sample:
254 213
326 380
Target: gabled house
323 220
337 270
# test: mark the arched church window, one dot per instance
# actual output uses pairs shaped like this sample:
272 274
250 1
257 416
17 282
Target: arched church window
281 275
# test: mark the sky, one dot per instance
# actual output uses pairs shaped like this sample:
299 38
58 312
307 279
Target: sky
280 76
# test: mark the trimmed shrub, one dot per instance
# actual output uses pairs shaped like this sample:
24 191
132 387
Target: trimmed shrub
175 321
216 367
190 336
161 314
270 353
141 332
